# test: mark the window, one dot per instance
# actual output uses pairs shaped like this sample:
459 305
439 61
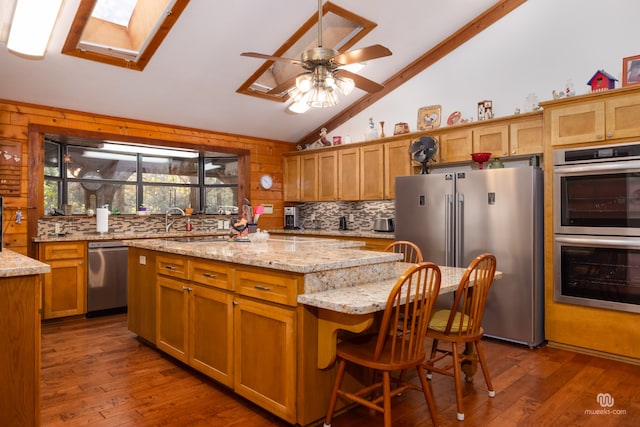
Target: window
126 177
125 33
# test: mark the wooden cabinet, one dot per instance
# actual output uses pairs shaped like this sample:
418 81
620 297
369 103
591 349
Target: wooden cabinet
20 299
65 287
195 322
141 313
327 175
349 173
594 119
371 172
514 138
397 162
265 356
455 145
491 139
291 173
309 177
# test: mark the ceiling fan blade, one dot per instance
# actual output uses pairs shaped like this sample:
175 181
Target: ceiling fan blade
270 57
361 55
286 85
360 82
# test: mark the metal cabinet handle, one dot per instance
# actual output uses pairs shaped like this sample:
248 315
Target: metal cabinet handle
210 275
169 267
598 136
186 288
609 134
261 288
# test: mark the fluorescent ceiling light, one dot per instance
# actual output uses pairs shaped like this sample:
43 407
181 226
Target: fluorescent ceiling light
151 151
123 157
32 26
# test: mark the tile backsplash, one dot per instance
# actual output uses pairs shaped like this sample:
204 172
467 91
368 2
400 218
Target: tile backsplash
327 214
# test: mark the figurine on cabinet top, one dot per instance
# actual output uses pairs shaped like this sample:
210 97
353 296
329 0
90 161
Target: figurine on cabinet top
372 133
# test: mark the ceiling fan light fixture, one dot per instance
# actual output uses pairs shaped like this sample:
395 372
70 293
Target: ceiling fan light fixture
299 104
322 96
304 82
345 84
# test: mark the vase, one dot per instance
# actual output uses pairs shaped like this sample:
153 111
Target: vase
382 130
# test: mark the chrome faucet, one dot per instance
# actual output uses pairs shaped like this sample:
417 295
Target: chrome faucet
168 224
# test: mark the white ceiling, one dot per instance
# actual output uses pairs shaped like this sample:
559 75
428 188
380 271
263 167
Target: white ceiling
192 79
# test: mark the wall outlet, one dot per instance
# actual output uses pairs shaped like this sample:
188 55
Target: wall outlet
351 218
143 260
313 217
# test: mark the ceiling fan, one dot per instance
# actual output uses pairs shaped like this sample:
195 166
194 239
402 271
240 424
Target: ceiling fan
324 66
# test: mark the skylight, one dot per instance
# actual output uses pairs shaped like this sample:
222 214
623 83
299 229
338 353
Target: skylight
115 11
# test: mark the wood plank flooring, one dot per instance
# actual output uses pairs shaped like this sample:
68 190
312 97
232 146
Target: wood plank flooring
95 372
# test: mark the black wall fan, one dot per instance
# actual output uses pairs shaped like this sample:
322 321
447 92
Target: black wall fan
322 61
423 150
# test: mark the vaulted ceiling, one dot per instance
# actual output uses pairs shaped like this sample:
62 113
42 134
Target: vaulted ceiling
193 76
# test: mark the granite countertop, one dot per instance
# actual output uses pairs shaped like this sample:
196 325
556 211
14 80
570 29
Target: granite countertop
92 235
370 297
296 254
338 233
14 264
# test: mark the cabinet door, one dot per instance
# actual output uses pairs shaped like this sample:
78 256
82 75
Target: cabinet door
397 162
211 333
526 137
141 311
349 174
623 115
265 356
65 289
327 176
577 123
371 172
171 317
456 146
492 139
309 178
291 184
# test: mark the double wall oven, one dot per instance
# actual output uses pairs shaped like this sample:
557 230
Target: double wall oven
597 226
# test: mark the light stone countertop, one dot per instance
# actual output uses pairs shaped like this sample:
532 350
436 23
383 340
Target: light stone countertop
338 233
94 236
296 254
14 264
370 297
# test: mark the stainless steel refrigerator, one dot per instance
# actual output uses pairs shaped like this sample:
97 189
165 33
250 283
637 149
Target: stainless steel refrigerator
453 217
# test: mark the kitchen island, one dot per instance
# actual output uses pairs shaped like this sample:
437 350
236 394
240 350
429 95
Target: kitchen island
20 286
231 310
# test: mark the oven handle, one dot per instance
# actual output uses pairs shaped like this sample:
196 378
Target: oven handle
598 167
611 242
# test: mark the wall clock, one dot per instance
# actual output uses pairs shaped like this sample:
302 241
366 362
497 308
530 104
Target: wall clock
266 181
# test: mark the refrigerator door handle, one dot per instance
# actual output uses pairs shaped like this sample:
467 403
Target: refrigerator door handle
448 230
458 261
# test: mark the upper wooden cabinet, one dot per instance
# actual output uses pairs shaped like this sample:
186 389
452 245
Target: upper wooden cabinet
349 173
455 145
602 116
327 175
371 172
291 173
397 162
309 177
515 138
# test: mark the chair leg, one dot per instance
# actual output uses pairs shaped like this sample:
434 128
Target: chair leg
428 396
458 379
334 394
434 351
485 370
386 387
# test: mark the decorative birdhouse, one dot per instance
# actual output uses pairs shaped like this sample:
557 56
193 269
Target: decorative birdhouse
602 80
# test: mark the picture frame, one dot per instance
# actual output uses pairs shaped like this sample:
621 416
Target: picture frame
631 70
429 117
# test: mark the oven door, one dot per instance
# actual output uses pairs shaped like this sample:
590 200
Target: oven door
597 199
598 271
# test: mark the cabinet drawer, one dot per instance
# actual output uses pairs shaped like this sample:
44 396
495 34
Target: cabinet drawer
63 251
211 273
268 285
172 266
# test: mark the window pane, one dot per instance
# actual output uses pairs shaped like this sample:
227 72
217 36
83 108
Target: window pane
169 170
221 200
86 163
157 199
219 171
51 159
51 195
117 196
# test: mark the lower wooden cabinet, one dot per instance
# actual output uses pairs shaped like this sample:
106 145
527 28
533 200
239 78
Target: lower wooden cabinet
265 356
141 313
65 287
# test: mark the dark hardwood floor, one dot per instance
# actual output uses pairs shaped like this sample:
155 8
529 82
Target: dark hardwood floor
95 372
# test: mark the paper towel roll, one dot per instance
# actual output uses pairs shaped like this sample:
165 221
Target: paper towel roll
102 220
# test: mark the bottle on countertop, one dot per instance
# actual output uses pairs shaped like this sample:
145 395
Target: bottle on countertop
189 225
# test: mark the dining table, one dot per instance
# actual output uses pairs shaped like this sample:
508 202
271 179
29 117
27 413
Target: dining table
353 307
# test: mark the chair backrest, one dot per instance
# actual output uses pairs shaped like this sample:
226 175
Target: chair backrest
471 296
412 253
405 320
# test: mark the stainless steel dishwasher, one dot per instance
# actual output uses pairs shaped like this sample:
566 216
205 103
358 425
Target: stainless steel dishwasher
107 278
